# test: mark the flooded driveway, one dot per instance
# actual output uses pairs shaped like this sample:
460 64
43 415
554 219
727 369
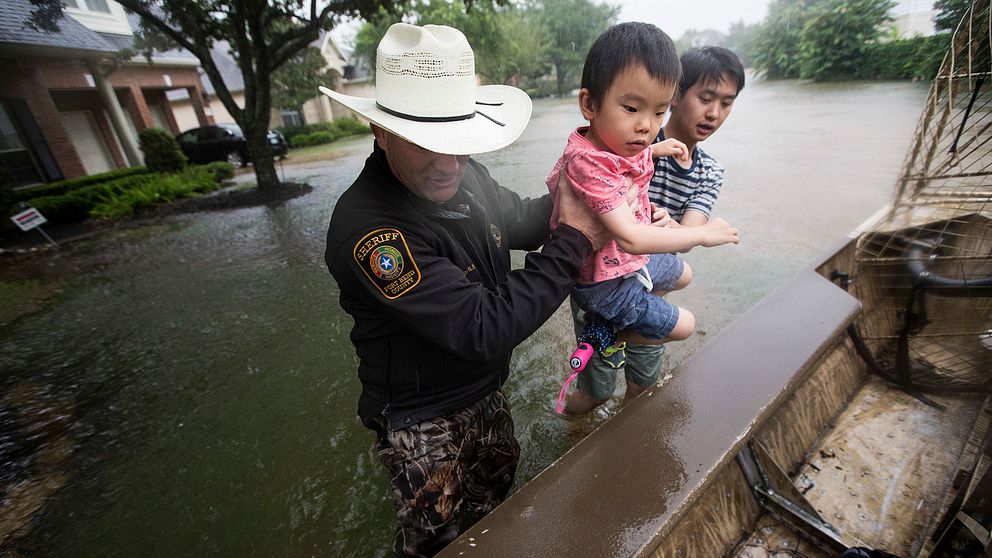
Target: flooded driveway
190 387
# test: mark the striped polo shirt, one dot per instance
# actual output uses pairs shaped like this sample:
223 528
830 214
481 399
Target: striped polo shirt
678 189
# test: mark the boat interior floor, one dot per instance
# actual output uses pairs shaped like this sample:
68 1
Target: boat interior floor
880 475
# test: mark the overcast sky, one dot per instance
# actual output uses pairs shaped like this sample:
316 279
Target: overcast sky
675 18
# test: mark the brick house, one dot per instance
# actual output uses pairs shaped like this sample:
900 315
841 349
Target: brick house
67 109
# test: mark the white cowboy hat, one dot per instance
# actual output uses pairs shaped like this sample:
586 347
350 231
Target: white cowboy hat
426 94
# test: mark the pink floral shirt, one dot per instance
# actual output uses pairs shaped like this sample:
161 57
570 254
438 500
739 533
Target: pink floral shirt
602 179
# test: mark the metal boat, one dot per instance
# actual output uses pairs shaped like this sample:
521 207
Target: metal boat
848 409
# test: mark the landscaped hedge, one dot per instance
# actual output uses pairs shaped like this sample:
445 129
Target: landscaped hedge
914 58
63 186
222 170
325 132
117 196
316 138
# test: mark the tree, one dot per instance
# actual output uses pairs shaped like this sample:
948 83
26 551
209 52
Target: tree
521 54
740 39
297 81
507 44
949 13
572 25
835 34
264 35
372 31
694 38
776 44
818 39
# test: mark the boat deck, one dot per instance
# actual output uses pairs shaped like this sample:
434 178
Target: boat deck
879 475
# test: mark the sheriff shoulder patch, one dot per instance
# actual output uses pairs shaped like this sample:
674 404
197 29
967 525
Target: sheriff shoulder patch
385 259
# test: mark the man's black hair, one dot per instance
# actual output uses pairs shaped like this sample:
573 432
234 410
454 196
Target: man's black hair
708 65
624 45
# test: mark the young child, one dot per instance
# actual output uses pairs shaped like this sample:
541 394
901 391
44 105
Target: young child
712 78
628 83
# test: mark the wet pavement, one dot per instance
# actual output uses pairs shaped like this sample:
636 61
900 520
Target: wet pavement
187 387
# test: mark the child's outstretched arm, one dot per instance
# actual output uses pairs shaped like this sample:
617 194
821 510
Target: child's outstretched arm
636 238
670 146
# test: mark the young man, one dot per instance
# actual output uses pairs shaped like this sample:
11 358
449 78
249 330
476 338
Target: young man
419 246
712 77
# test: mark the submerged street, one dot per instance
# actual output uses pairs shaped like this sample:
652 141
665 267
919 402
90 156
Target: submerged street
188 387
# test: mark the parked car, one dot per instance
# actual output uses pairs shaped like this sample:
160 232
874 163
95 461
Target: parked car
224 142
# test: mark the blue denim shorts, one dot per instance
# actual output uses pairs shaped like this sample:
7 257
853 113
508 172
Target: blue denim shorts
599 380
626 303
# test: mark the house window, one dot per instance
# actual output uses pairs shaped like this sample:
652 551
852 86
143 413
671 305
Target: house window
17 166
292 118
91 5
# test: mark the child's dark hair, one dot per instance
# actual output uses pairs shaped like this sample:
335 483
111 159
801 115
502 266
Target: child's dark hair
624 45
708 65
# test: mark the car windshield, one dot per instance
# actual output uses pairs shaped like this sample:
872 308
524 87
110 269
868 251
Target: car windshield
231 129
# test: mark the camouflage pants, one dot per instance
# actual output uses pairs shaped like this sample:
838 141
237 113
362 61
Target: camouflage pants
448 472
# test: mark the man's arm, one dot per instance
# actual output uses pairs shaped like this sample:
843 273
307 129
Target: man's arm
706 191
433 297
528 221
694 218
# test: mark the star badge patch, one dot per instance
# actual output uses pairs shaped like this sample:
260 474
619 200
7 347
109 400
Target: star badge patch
385 258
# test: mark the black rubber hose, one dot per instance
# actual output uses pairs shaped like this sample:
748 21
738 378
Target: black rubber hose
916 261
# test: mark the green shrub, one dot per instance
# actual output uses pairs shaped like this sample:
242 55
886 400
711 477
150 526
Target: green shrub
120 202
162 152
123 196
913 58
7 204
66 208
316 134
351 127
315 138
321 137
299 140
290 131
221 170
64 186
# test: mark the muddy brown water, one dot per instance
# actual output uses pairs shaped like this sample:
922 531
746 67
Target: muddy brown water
188 387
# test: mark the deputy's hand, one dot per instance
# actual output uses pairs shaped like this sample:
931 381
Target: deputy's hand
573 212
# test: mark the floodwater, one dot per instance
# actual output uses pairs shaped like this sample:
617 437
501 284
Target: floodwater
189 388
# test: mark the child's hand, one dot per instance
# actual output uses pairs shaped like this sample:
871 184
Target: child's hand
718 232
670 146
660 217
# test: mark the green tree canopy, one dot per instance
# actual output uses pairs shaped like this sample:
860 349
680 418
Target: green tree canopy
520 56
508 45
835 35
740 39
818 39
949 13
776 44
572 26
295 82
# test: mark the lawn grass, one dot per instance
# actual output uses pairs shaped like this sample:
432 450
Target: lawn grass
20 297
327 150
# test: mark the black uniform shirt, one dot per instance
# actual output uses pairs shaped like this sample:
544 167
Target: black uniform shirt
437 309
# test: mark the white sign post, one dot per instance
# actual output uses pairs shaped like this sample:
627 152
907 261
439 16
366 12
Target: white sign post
29 219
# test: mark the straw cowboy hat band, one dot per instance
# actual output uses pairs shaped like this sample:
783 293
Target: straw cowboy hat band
426 93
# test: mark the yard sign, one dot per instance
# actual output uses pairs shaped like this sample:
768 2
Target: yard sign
29 219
